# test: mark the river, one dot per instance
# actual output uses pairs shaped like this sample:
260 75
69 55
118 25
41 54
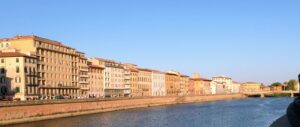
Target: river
251 112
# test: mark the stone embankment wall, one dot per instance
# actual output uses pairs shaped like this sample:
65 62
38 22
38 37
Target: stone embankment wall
20 112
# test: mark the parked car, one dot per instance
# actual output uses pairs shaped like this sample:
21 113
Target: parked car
59 97
6 99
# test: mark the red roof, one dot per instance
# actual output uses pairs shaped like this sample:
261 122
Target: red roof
95 66
201 79
185 76
106 60
144 69
134 70
13 54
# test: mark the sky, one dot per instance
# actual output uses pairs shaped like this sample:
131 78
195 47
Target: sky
247 40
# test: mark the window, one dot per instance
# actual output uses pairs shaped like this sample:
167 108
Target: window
17 69
17 60
2 80
17 89
18 79
25 69
2 60
2 70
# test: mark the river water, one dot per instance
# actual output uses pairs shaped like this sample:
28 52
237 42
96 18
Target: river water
252 112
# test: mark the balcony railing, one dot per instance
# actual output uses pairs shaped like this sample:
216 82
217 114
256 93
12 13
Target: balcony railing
83 82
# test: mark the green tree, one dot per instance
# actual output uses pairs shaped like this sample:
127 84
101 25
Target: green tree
292 85
276 84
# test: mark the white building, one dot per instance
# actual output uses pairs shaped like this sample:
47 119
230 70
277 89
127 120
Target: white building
158 83
114 81
127 81
213 87
227 84
236 87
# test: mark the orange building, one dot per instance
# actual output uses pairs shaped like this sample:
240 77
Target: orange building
198 86
191 89
201 85
184 85
57 64
96 76
250 87
172 80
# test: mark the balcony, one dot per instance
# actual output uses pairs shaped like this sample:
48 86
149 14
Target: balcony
84 88
127 92
84 69
127 86
83 82
83 76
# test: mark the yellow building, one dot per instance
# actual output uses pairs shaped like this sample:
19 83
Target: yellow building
201 85
57 64
198 86
18 75
249 87
172 79
145 81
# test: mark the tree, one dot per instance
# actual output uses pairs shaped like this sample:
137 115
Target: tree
292 85
276 84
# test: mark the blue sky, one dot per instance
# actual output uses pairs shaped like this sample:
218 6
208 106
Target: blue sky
248 40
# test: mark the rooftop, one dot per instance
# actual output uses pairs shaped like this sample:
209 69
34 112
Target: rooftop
13 54
95 66
53 42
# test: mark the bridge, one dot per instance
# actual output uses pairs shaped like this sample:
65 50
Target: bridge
263 93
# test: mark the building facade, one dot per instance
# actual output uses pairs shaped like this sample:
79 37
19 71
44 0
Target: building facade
249 87
207 89
158 83
127 81
114 81
145 81
172 80
57 64
18 75
191 90
96 82
135 89
236 87
224 82
83 77
184 85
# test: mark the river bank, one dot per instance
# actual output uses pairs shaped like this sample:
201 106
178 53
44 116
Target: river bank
274 95
248 112
21 112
